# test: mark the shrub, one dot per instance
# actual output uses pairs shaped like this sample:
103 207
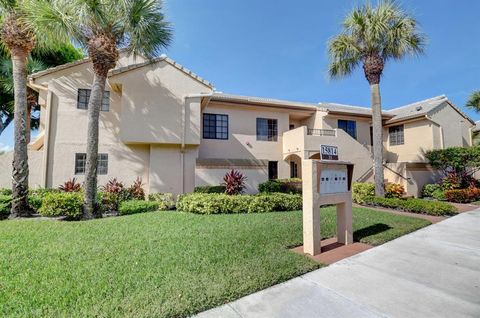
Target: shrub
210 189
35 202
62 204
394 190
35 197
112 194
234 182
462 195
5 191
5 205
165 200
70 186
221 203
137 206
451 181
413 205
429 188
360 191
136 190
269 186
439 194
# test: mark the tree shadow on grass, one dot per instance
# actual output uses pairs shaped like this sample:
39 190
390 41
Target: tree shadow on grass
370 230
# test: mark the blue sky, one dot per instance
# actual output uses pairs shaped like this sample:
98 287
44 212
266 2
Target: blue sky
277 49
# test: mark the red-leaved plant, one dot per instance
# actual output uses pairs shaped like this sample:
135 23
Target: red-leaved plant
70 185
113 186
234 182
136 190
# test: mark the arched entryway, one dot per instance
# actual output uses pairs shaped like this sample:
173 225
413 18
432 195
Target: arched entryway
315 156
295 163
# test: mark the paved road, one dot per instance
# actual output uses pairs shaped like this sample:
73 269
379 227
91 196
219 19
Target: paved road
434 272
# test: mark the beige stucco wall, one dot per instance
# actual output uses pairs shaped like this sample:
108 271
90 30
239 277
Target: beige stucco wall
363 126
456 128
214 176
34 161
242 141
418 137
155 97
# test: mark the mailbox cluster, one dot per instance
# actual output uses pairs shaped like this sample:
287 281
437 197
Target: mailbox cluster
333 179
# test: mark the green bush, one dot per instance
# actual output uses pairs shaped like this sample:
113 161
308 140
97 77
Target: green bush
35 202
165 200
413 205
221 203
210 189
361 191
439 194
137 206
292 185
110 201
5 191
5 205
429 188
269 186
67 204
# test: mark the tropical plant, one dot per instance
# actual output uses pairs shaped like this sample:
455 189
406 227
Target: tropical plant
371 36
70 185
474 101
234 182
20 32
102 27
136 190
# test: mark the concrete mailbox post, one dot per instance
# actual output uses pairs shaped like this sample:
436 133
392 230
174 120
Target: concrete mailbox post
326 182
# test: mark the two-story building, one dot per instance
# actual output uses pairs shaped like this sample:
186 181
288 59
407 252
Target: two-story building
165 124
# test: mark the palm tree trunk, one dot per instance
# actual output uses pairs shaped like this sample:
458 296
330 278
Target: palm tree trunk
377 140
94 106
28 132
20 156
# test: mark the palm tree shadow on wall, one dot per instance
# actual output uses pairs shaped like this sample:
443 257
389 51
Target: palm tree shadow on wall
370 230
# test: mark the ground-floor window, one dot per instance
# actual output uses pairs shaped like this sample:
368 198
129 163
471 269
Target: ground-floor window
81 162
293 169
273 170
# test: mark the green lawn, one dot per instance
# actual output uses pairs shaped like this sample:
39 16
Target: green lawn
159 264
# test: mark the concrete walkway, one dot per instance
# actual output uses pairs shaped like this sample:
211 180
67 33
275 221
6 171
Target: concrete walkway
434 272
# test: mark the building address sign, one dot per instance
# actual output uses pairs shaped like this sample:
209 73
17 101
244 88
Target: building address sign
328 152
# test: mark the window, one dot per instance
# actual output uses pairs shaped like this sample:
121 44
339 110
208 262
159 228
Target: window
215 126
272 170
81 161
267 129
291 126
349 126
84 96
395 134
102 164
293 170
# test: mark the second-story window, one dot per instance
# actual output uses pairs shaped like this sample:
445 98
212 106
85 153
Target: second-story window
395 135
349 126
84 96
267 129
215 126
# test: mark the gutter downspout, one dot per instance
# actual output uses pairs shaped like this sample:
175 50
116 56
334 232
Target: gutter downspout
46 141
182 147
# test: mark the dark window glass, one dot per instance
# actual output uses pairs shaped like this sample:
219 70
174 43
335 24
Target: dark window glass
272 170
81 161
102 166
371 135
293 170
215 126
349 126
267 129
291 127
84 96
395 134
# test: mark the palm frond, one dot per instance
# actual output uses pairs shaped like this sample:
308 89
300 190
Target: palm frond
474 101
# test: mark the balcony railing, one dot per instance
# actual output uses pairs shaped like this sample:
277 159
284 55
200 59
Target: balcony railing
321 132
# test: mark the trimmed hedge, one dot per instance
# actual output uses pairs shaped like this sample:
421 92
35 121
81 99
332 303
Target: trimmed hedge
137 206
413 205
361 191
221 203
209 189
165 200
5 205
462 195
5 191
69 204
429 189
292 185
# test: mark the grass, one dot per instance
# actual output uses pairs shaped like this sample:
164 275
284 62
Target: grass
160 264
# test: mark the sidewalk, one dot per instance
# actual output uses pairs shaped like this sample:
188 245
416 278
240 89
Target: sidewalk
432 272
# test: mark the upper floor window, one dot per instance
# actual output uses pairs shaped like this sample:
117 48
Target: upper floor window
267 129
81 162
395 135
84 96
349 126
215 126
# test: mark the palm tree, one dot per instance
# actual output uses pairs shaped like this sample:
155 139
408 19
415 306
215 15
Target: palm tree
474 101
19 35
370 37
102 27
